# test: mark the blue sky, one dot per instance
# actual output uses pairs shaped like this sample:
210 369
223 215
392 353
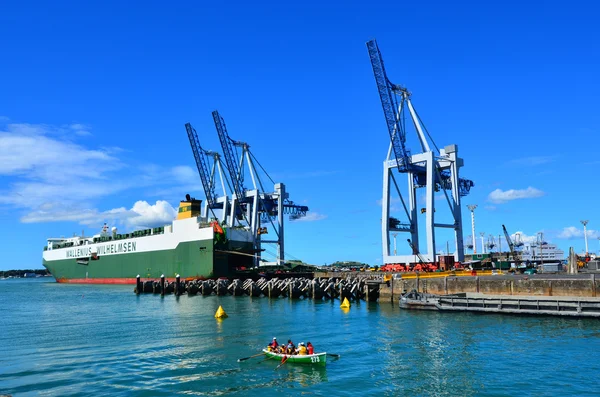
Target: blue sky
95 96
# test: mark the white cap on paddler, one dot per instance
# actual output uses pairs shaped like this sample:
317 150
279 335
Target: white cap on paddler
274 338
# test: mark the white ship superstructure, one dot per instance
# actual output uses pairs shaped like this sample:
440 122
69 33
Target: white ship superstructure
542 252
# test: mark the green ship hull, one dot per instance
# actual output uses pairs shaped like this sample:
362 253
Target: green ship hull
189 260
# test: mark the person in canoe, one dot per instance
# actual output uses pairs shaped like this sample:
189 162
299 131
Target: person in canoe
310 348
291 349
302 351
273 346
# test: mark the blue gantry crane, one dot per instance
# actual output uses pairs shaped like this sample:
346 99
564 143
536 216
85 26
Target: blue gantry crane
257 207
236 173
208 179
432 168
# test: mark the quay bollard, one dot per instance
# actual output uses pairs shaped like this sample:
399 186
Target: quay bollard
177 280
138 285
162 285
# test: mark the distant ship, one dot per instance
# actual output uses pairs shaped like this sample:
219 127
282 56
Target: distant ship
191 247
537 252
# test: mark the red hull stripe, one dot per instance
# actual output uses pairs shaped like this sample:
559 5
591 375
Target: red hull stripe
97 280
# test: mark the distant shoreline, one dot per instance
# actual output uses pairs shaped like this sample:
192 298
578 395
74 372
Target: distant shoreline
24 273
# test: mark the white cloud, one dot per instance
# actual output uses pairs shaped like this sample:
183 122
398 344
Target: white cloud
572 232
532 160
80 129
185 174
499 196
50 173
41 164
31 150
490 207
142 215
55 212
310 217
524 238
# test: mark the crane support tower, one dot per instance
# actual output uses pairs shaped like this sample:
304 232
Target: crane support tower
255 209
432 168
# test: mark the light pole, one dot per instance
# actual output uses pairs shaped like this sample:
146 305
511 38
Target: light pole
500 251
541 243
471 208
394 234
585 222
482 234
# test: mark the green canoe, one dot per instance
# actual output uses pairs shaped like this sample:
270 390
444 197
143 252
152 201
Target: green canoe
314 359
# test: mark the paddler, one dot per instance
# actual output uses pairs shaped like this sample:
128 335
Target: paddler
290 347
302 351
273 345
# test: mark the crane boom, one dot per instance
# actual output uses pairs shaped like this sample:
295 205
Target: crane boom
232 168
416 251
511 245
201 165
390 107
392 110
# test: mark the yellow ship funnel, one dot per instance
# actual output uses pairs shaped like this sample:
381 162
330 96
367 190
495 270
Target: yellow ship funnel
220 313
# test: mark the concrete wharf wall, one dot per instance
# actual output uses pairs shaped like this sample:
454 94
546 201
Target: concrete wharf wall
586 286
384 287
581 285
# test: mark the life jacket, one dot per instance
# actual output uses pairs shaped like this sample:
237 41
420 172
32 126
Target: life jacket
310 349
302 350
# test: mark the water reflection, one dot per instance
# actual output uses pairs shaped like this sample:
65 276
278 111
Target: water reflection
304 375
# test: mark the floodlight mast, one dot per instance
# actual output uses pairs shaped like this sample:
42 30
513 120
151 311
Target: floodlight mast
471 208
584 223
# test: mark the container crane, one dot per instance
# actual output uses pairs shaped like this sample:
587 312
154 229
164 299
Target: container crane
235 174
491 243
208 180
469 243
511 245
435 172
256 205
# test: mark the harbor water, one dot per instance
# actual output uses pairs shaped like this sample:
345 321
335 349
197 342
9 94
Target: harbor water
86 340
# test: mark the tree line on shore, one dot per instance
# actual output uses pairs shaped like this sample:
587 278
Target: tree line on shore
20 273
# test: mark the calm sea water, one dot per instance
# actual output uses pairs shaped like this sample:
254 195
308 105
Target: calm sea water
81 340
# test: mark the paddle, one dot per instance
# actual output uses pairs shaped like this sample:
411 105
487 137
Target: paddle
265 359
246 358
283 362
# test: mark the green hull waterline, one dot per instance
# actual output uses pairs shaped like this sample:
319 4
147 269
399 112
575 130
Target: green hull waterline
195 259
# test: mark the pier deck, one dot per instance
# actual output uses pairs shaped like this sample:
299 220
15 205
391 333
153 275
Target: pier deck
531 305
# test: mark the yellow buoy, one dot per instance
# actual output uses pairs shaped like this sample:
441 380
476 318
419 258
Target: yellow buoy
220 313
345 303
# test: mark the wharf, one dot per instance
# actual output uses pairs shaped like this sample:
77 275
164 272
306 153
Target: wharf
528 305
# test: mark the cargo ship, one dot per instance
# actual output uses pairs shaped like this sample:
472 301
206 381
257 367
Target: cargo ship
192 247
